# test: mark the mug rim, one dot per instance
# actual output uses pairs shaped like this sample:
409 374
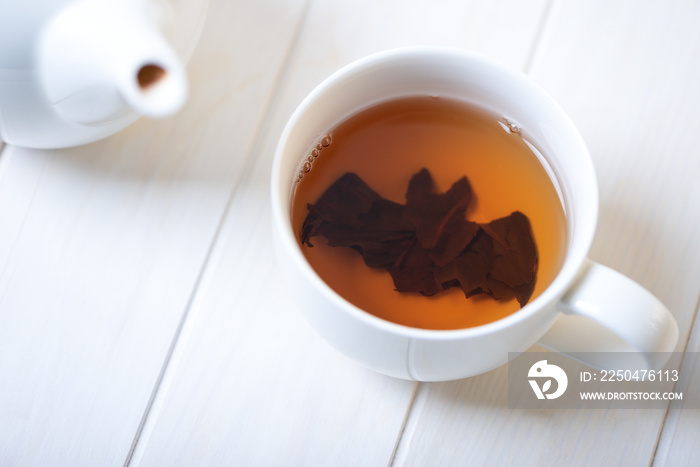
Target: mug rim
575 255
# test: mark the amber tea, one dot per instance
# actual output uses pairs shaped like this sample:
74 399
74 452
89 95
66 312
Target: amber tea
431 213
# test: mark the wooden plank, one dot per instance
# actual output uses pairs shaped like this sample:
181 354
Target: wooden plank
101 247
468 422
630 83
678 444
249 383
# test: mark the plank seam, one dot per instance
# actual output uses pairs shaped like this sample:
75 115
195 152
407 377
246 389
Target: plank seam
539 36
409 425
667 430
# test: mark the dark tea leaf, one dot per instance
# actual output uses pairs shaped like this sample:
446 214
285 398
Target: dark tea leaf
427 245
342 203
430 212
351 214
469 269
500 262
514 249
413 271
453 239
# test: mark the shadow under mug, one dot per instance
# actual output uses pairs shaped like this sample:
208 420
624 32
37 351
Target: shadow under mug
587 307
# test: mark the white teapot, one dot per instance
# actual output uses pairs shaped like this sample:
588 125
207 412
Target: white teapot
75 71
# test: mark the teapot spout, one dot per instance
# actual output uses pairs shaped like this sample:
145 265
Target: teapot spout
156 89
100 62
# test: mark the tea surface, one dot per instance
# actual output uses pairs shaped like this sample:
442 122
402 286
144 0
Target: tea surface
385 145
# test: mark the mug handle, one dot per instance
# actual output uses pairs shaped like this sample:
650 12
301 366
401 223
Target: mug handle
610 322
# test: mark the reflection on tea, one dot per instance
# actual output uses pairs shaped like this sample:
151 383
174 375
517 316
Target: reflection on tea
388 147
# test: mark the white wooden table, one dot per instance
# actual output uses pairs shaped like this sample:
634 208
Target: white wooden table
142 319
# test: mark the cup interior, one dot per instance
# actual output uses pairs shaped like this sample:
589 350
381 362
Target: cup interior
456 74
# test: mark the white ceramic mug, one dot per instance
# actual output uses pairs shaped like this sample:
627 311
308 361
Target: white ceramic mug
587 308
